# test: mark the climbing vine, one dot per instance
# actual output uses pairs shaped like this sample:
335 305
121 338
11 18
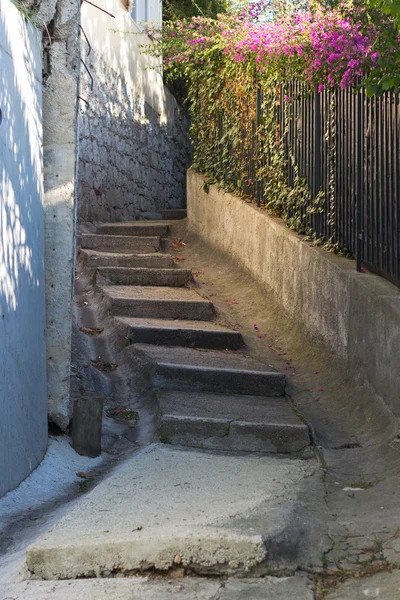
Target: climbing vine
243 144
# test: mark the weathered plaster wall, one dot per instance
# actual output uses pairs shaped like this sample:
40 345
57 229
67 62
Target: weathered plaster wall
23 407
60 131
355 315
134 149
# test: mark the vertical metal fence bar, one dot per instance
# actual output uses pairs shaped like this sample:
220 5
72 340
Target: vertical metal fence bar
353 229
368 181
359 174
384 199
390 199
338 178
317 158
374 150
380 199
396 184
259 142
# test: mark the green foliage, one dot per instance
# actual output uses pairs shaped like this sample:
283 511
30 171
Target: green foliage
174 10
386 76
220 63
26 11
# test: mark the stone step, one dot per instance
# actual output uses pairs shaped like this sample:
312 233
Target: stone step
144 276
120 243
187 369
177 332
158 302
134 228
218 512
174 213
230 422
148 588
112 259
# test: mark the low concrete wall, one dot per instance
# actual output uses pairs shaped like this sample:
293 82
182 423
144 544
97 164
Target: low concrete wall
355 315
23 405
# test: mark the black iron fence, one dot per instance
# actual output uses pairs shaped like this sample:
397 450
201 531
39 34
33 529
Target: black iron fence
346 147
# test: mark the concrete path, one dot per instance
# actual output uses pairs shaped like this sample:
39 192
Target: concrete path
383 586
270 588
186 506
216 513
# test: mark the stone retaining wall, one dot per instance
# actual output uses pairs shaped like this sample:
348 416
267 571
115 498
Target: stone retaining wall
133 160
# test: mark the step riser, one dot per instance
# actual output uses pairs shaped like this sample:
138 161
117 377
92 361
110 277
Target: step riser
115 244
235 436
216 340
174 214
120 276
136 230
197 379
162 309
130 262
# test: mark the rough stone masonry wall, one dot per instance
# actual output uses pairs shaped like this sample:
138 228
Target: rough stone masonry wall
131 165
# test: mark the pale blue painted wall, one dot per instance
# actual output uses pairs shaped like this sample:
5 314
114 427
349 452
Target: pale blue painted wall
23 401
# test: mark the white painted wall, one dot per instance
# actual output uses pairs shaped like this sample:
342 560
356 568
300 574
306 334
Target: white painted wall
118 40
146 10
23 404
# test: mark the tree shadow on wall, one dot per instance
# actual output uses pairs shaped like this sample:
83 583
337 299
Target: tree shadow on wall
23 411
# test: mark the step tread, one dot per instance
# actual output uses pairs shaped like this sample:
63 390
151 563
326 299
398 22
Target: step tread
213 359
100 254
161 270
175 324
259 410
159 293
120 243
133 228
124 259
123 238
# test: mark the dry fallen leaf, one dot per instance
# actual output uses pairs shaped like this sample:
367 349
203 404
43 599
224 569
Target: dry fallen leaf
103 366
177 573
91 330
83 475
177 243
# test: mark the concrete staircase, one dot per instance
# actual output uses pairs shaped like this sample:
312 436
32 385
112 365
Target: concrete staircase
211 395
217 497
